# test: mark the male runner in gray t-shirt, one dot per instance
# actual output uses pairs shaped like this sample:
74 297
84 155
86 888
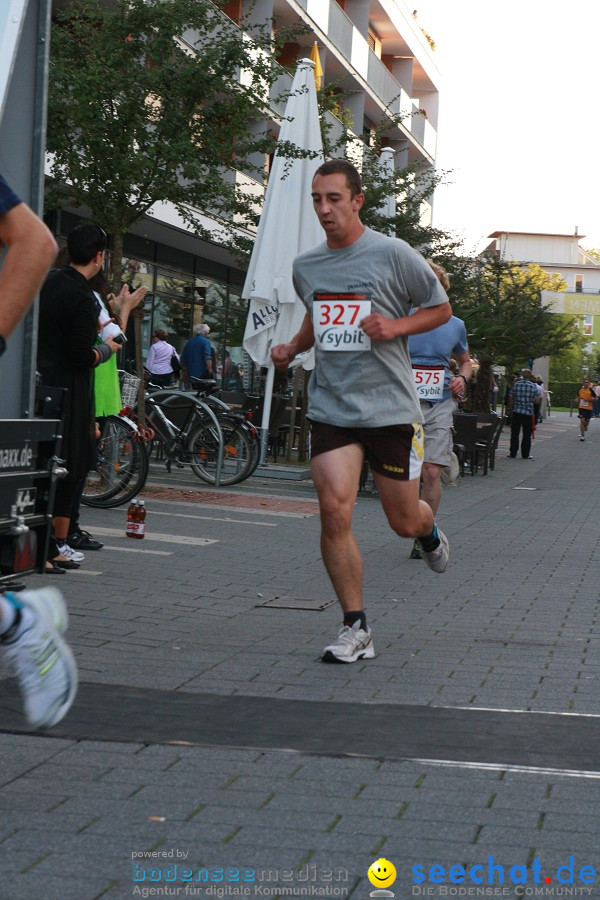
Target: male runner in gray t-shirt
358 288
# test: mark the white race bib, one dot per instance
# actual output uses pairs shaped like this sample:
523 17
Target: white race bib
336 320
429 382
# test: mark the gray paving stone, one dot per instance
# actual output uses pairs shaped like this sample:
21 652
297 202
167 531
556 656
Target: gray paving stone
508 632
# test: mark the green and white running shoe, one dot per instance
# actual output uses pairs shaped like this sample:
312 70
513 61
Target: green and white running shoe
40 657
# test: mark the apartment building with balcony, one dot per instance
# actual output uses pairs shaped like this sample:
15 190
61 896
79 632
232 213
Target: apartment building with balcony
380 61
558 254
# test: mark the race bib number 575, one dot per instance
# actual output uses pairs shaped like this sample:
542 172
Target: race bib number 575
429 382
336 319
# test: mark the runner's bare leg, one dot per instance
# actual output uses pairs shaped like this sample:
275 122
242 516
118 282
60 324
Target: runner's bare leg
336 475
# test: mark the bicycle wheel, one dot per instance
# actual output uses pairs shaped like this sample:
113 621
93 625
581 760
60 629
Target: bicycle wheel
255 442
122 467
238 451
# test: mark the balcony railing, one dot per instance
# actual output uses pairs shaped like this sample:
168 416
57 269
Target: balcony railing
355 49
340 29
417 125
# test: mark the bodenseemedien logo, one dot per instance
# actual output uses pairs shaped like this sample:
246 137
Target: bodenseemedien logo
381 874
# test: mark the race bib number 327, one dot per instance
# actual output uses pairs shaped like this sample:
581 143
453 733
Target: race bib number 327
336 319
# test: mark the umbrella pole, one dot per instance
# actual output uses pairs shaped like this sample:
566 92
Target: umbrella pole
266 415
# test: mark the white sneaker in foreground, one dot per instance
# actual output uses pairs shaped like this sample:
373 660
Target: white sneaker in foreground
41 660
352 644
437 559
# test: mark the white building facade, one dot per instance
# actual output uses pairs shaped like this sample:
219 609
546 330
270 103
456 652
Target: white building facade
558 254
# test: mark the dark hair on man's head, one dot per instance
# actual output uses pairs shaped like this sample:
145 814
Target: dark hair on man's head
84 242
342 167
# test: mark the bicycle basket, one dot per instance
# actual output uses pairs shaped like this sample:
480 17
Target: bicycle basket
129 388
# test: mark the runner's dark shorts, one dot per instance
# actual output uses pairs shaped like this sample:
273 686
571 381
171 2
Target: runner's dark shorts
586 414
395 451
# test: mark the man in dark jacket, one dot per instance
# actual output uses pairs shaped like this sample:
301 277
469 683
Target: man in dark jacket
68 330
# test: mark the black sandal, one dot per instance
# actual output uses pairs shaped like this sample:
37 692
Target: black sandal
53 569
66 563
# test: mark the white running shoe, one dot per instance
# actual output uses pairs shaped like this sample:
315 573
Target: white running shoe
69 553
41 659
352 643
437 559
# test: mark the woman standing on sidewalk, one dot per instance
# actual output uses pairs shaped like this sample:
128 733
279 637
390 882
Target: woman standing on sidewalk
160 359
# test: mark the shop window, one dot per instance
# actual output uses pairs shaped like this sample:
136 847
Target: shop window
136 272
214 313
174 316
172 282
238 367
588 325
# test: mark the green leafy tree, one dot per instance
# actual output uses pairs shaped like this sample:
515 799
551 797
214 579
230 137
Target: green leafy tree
147 104
507 323
569 364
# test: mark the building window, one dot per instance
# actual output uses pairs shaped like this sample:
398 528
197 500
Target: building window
289 54
588 325
579 284
368 134
233 9
374 42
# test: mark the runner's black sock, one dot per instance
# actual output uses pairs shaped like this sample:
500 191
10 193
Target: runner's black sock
351 617
431 541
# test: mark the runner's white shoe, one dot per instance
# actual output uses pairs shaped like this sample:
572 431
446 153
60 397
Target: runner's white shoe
42 661
437 559
352 643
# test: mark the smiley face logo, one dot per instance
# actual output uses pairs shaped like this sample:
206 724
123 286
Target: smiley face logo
382 873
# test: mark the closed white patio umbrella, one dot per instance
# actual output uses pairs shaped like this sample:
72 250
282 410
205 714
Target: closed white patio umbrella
288 226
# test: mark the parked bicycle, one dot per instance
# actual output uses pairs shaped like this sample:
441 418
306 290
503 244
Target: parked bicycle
220 445
240 437
203 424
122 465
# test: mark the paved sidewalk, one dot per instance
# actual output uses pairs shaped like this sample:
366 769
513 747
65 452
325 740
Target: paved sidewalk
161 754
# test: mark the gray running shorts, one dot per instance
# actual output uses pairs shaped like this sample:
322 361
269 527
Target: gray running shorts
438 431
